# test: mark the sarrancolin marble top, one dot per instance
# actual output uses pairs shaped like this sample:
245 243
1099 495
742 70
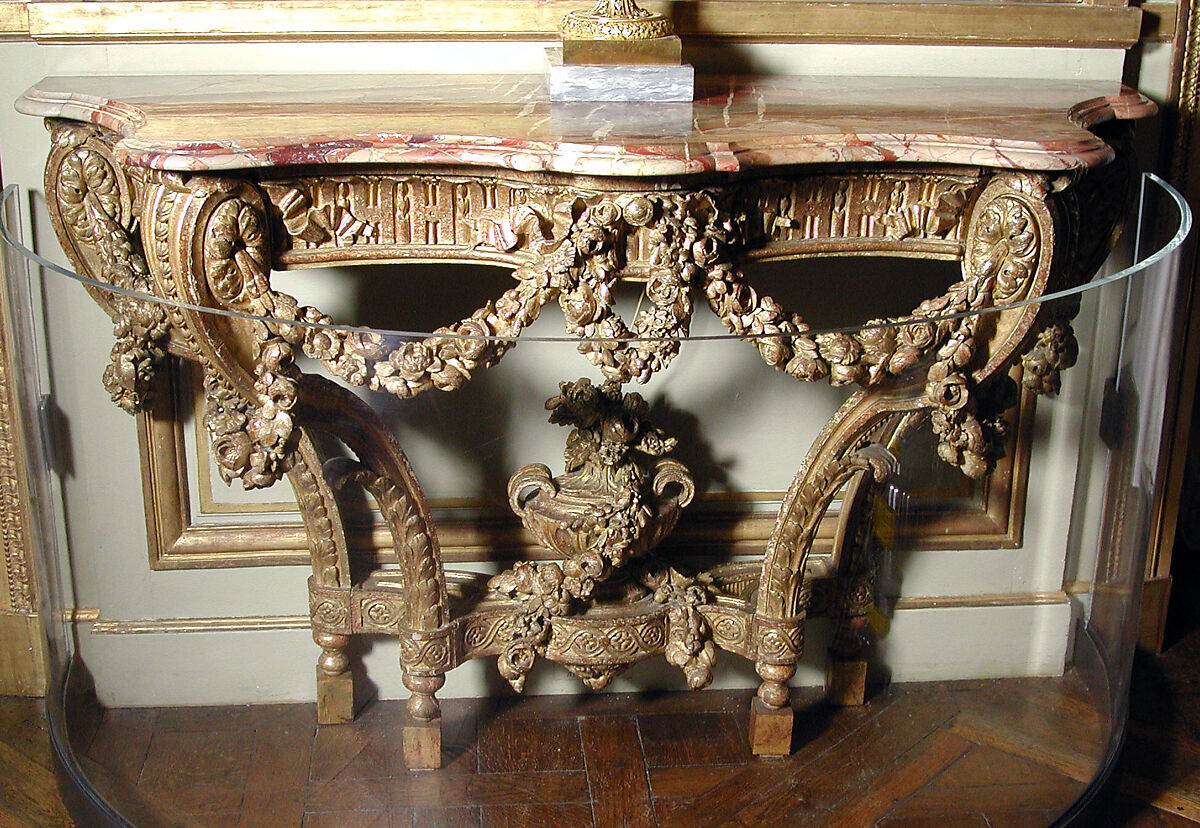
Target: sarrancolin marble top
508 122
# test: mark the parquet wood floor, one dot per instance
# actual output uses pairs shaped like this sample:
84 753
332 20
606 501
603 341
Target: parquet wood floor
1004 754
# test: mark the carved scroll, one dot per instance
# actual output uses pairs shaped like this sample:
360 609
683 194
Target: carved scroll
92 211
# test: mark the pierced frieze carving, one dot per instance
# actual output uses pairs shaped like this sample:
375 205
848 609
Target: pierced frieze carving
319 216
883 207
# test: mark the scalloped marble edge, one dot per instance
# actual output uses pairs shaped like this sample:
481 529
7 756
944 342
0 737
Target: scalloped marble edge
655 157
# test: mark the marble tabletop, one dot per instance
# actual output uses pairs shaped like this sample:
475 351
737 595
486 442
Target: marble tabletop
735 124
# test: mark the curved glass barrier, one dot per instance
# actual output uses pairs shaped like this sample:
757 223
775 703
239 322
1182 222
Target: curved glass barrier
966 546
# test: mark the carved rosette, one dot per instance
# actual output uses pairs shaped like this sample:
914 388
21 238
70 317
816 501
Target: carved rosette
92 210
1006 253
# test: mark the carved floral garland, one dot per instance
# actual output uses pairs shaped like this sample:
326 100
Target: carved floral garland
89 197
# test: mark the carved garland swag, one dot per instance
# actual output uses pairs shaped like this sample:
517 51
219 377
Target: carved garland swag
212 241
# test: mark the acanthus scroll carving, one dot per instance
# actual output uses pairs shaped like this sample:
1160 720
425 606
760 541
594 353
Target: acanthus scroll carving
1004 255
94 210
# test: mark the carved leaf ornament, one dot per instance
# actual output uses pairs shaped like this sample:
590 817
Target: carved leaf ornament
619 493
91 202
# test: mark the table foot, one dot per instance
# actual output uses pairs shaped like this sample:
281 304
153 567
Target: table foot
846 681
770 729
335 680
422 743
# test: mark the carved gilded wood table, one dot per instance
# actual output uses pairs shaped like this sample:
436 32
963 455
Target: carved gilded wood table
195 189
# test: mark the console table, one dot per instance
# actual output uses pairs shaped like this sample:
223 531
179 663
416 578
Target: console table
194 189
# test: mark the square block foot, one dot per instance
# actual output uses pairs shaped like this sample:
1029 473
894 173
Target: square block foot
846 682
335 698
770 729
423 744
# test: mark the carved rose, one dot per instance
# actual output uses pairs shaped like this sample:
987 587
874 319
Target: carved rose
582 306
664 288
638 210
412 360
232 450
472 349
604 214
806 363
842 352
950 392
776 349
590 240
919 335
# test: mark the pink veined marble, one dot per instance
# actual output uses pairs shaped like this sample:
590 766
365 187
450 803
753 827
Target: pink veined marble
508 122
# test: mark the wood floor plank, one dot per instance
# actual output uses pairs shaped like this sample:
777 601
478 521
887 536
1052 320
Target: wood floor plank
1039 796
28 791
505 746
468 817
986 766
349 794
920 765
355 751
942 821
616 772
434 790
279 768
198 772
28 784
1024 817
122 741
540 816
804 793
729 788
349 819
694 738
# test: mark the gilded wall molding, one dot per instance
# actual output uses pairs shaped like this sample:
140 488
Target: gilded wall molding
1048 23
22 665
992 515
